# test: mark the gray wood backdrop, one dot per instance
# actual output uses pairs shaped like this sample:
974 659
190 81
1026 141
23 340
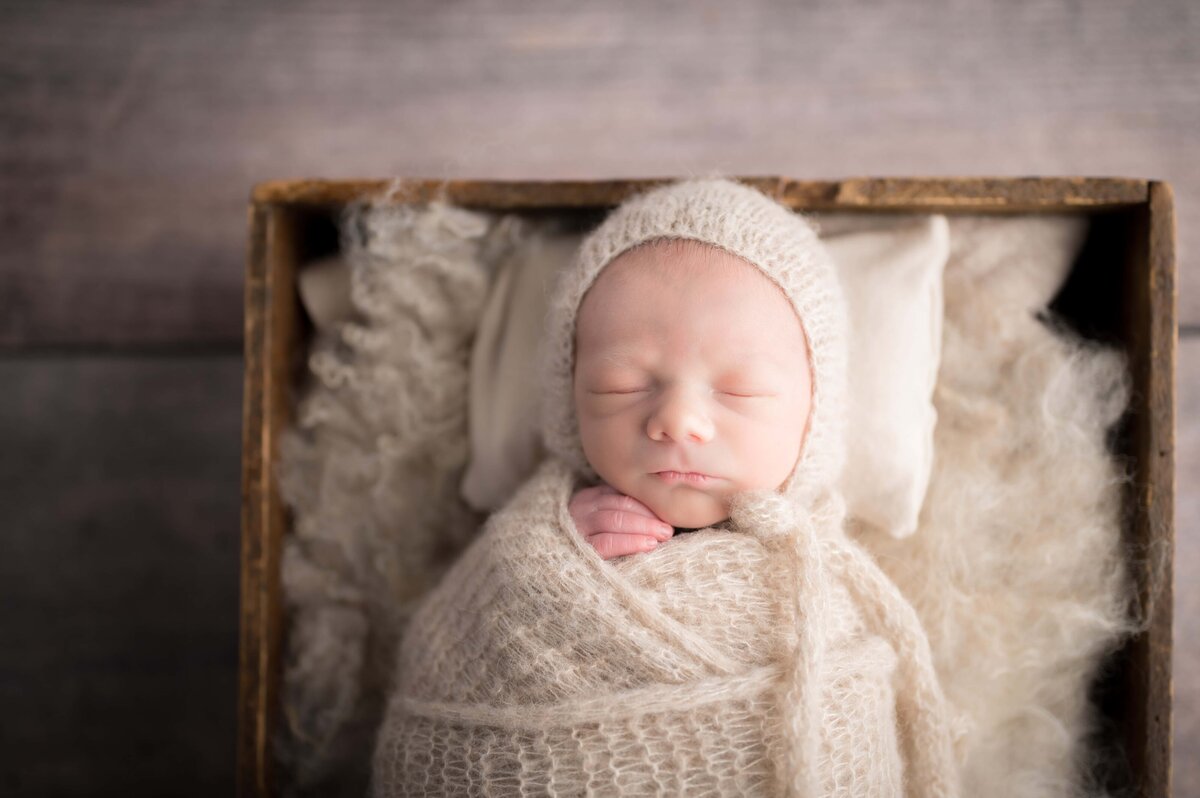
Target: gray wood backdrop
131 132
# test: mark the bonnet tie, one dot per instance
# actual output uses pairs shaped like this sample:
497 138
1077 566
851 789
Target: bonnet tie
814 556
781 530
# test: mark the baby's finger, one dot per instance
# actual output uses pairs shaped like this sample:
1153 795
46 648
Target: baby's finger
626 504
625 522
610 544
593 494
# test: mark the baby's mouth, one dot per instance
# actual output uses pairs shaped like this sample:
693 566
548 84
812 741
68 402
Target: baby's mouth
685 477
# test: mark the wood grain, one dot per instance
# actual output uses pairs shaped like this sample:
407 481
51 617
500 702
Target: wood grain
133 132
119 562
1012 195
1187 575
1149 309
272 349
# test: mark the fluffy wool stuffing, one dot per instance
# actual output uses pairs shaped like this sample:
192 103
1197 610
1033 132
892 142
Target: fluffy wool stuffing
1021 589
1017 569
371 472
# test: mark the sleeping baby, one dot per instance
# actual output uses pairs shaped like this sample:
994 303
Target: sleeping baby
693 379
680 410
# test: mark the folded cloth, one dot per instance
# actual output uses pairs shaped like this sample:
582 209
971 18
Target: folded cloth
708 666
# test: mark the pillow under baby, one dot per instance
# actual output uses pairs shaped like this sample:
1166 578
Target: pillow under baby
891 273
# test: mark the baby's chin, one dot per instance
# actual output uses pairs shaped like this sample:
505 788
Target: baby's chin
685 507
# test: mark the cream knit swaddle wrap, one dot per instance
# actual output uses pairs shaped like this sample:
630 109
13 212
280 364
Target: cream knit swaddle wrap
765 656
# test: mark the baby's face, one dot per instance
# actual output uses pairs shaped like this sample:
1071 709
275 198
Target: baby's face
692 380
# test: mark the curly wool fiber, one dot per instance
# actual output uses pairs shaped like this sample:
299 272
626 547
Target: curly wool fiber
371 470
1017 569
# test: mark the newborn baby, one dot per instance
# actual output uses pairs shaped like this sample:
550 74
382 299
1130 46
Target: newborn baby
693 375
679 409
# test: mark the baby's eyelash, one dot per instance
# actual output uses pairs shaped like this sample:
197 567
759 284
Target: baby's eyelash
632 391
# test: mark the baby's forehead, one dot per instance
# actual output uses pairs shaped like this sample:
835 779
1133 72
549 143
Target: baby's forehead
683 291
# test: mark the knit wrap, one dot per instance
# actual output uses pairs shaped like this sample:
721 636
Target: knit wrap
538 668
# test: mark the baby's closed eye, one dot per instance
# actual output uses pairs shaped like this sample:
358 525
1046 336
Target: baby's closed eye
741 392
746 390
744 393
618 391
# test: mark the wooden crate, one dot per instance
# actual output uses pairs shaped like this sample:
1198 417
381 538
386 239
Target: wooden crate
1126 293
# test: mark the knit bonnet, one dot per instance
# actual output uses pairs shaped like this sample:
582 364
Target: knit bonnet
744 222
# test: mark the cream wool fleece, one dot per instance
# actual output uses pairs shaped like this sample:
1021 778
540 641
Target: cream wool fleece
773 657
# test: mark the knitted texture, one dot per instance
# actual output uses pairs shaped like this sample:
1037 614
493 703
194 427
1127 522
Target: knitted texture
537 668
768 657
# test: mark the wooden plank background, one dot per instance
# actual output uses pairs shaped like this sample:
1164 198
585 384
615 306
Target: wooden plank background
131 132
118 666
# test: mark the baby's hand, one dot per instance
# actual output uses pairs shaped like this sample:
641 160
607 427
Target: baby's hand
616 524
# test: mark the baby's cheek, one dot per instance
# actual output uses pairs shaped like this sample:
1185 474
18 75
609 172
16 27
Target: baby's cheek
759 449
603 445
777 456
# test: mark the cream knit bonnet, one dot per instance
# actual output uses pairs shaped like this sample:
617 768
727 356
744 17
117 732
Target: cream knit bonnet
756 228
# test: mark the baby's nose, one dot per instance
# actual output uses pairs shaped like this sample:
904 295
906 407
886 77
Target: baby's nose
680 417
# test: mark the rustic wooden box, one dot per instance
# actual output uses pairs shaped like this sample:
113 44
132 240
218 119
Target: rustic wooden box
1122 289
